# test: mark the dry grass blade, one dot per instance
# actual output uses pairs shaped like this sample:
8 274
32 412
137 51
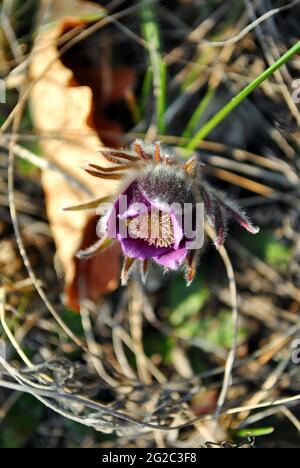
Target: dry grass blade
152 364
235 323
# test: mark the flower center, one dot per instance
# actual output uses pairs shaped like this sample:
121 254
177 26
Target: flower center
154 227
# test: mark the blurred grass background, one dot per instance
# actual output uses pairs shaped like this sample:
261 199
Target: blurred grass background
182 81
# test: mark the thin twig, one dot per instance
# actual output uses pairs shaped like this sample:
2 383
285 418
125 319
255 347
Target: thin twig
235 321
253 25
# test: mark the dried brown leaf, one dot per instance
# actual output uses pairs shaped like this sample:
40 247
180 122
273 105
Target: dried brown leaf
62 116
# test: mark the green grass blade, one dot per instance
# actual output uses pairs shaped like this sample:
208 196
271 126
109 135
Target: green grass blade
151 33
201 108
228 108
257 432
146 91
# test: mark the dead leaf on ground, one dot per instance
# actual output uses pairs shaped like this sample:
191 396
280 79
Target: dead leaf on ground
66 109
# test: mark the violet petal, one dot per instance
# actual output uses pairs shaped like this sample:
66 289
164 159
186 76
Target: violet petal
138 248
172 259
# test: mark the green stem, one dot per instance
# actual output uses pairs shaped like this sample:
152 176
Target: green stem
200 109
225 111
151 34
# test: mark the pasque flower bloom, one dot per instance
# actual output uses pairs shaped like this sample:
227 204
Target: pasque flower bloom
151 228
146 217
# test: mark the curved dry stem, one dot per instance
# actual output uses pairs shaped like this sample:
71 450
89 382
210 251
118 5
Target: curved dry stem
235 319
13 212
9 335
253 25
94 347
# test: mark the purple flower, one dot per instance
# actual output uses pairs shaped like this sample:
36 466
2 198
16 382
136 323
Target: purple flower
148 228
149 218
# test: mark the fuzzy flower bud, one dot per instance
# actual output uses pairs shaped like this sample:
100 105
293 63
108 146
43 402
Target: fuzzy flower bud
156 215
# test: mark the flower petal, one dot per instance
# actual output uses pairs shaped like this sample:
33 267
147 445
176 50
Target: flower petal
134 210
178 230
138 248
172 259
126 208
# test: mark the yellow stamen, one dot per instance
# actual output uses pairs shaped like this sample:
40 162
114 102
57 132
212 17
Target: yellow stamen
154 227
